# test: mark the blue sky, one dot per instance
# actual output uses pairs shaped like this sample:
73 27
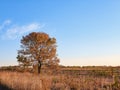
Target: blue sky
87 31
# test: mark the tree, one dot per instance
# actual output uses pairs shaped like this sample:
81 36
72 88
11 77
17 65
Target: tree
37 48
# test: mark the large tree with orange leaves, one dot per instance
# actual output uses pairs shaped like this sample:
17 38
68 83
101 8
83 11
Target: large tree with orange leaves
39 48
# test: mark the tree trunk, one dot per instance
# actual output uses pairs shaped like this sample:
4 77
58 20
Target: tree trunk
39 67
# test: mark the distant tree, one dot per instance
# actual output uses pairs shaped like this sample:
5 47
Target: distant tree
37 48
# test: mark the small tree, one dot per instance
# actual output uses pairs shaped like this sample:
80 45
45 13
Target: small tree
37 48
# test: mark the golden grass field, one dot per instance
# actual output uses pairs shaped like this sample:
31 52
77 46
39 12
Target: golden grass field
30 81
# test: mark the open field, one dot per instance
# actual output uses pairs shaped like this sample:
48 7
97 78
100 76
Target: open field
67 79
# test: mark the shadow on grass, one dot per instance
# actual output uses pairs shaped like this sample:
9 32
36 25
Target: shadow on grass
4 87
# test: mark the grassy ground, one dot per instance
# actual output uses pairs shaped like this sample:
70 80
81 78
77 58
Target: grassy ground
30 81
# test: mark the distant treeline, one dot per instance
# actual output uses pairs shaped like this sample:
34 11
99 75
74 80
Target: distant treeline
106 71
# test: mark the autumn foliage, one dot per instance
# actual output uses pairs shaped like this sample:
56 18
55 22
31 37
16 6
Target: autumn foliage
37 49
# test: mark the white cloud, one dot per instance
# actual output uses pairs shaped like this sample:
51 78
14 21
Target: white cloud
15 31
5 23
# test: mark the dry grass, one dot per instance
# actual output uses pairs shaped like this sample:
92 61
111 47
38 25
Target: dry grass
28 81
21 81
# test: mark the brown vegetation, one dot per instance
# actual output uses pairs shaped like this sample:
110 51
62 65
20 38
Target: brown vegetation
68 78
30 81
37 49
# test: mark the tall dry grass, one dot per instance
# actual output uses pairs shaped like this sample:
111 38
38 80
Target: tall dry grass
20 81
28 81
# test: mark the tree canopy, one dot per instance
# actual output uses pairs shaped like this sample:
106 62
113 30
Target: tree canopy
37 48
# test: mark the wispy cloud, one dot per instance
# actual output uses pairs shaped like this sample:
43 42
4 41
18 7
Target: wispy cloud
15 31
4 24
